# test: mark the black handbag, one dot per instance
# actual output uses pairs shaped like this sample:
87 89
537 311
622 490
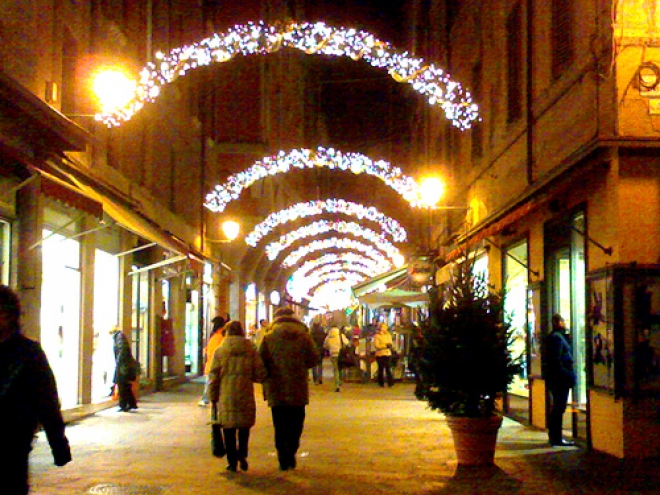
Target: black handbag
217 438
345 358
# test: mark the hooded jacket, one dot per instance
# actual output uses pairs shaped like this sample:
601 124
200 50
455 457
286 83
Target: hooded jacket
235 367
335 341
288 352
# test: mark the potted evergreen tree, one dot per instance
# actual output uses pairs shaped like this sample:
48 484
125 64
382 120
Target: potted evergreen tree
465 362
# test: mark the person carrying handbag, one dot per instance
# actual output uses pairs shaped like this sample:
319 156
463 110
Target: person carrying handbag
334 342
236 366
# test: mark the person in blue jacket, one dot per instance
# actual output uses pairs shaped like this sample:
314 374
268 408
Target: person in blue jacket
559 377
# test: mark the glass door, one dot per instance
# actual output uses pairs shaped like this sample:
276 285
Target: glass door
566 273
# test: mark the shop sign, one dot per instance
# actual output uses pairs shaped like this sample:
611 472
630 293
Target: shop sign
421 271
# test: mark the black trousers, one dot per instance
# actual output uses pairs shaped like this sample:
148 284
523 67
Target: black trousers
288 422
235 453
126 397
14 471
384 366
559 395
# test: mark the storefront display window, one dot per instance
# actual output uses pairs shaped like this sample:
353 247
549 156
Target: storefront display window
515 307
106 316
60 312
4 252
141 321
192 327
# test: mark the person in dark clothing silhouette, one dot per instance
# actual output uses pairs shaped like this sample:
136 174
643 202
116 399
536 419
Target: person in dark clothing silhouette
28 398
559 377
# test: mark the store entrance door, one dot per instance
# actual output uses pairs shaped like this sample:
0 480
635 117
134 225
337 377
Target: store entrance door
565 272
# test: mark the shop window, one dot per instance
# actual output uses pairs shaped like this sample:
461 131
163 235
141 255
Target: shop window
60 312
515 271
141 321
5 244
193 332
106 316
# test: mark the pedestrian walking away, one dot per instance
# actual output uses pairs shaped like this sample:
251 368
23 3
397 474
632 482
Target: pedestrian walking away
318 336
559 376
215 339
235 367
333 343
288 352
383 344
28 398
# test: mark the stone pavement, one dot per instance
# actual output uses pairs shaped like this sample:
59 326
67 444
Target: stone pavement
363 440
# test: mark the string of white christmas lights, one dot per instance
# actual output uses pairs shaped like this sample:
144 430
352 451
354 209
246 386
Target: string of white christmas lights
284 162
285 241
318 207
337 243
299 284
317 38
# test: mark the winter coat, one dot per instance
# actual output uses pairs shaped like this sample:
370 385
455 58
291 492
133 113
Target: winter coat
558 361
335 341
28 397
127 367
235 367
288 352
212 345
383 344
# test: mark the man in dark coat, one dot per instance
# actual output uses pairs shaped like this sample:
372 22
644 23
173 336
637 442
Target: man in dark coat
559 378
318 336
288 352
28 397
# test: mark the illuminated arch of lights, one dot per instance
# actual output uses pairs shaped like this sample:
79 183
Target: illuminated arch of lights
312 38
337 243
318 207
346 277
346 257
284 162
332 296
299 285
274 249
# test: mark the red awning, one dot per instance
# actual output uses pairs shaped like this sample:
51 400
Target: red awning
58 190
492 229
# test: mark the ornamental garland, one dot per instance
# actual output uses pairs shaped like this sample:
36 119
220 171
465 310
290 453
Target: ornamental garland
318 207
299 284
284 162
345 277
332 296
345 257
312 38
337 243
274 249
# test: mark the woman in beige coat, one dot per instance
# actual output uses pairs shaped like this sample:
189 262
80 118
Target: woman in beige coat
236 366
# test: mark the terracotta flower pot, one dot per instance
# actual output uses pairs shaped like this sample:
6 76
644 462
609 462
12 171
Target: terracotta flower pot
474 439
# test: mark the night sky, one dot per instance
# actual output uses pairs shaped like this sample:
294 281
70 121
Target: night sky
365 110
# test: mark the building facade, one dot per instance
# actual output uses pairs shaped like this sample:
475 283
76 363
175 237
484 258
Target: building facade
562 180
104 227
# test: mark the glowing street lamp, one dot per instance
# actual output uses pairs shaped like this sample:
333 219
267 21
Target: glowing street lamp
113 89
431 189
231 229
